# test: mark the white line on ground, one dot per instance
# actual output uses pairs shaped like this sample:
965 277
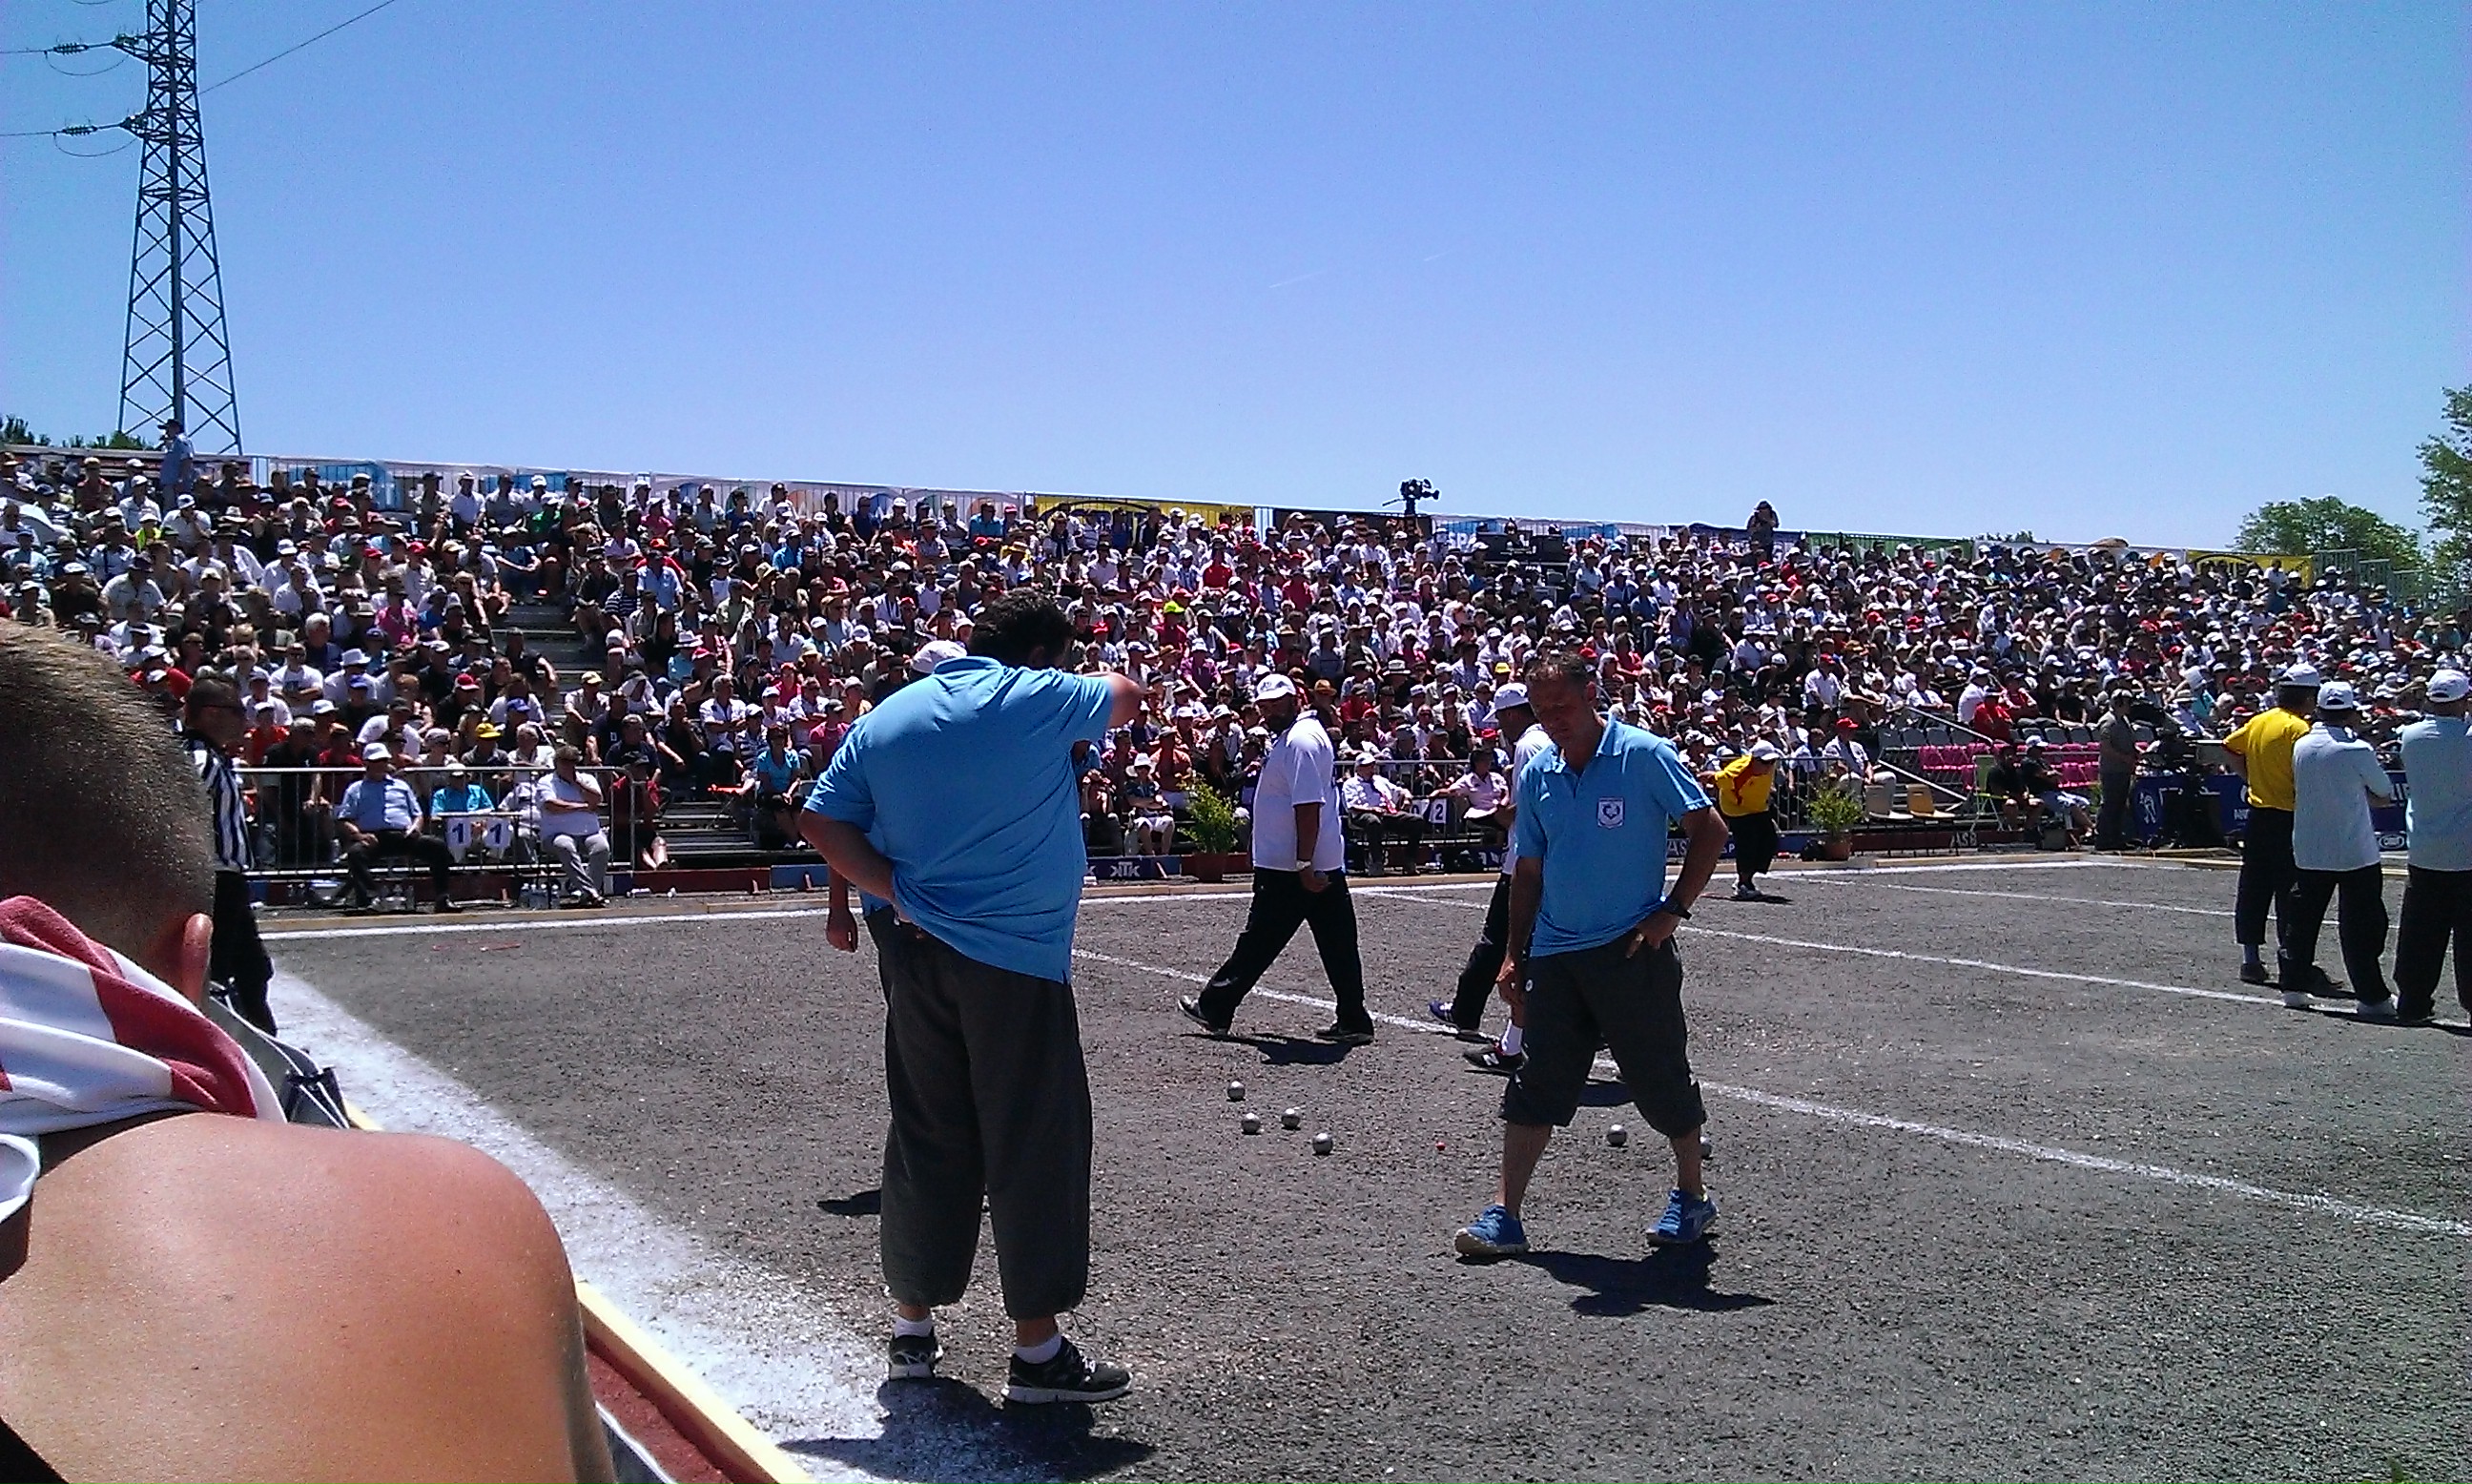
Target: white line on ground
2322 1204
544 922
791 1367
1856 877
2019 970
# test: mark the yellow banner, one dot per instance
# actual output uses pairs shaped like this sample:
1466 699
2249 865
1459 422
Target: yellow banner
2235 561
1044 505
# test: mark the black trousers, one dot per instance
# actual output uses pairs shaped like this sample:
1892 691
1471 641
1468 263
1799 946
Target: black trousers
2362 930
238 960
392 844
2437 911
1281 905
1483 961
1755 843
989 1100
2111 820
2266 876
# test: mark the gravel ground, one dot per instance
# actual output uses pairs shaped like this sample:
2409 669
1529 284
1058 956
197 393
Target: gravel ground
1879 1301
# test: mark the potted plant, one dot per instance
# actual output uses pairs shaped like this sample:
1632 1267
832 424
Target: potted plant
1835 810
1211 815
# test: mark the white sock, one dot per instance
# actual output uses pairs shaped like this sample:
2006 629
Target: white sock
1513 1038
904 1329
1041 1353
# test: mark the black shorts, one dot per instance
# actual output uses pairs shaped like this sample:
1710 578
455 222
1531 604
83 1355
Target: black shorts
1632 1006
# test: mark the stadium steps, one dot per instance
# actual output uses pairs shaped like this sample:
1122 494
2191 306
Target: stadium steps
548 633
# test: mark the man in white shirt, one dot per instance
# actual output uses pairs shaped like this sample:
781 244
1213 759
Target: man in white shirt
1465 1011
2335 775
2437 893
1298 875
1376 808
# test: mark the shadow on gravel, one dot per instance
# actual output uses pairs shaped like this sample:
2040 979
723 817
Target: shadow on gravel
1666 1278
858 1203
1294 1050
943 1429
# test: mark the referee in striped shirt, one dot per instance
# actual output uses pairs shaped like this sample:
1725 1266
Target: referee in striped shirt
211 726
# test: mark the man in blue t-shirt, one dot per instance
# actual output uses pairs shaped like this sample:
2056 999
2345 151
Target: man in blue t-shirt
1591 953
956 801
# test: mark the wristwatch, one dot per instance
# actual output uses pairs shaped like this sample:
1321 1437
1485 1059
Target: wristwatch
1671 910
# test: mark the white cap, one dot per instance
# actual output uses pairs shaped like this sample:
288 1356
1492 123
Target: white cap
936 652
1765 752
2336 696
375 752
1504 697
1270 688
2450 685
2304 675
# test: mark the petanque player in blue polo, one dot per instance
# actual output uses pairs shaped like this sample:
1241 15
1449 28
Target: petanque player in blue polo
1591 949
956 799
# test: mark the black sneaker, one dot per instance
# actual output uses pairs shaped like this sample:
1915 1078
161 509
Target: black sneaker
2415 1016
1493 1057
1066 1377
446 904
913 1358
2255 973
1345 1034
2311 979
1191 1005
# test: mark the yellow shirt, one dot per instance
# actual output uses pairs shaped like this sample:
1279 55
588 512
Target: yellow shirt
2264 743
1739 791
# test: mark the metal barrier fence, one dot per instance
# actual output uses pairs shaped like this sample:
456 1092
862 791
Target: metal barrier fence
294 810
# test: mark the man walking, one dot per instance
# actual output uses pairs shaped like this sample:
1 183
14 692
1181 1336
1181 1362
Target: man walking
211 727
1591 949
2260 752
2335 848
2116 766
1298 875
956 801
1466 1011
2437 892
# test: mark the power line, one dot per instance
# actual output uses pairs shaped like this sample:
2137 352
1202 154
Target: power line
123 43
295 46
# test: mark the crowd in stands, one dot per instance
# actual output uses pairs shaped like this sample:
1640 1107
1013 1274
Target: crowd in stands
741 633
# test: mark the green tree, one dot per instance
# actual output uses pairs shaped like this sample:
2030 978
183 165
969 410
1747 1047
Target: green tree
2299 527
2446 493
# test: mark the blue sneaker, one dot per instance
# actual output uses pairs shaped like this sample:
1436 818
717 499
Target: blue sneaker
1495 1232
1685 1220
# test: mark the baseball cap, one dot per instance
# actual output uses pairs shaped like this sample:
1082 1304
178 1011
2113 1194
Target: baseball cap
1270 688
1508 696
375 752
2336 696
936 652
1765 752
2448 686
2303 675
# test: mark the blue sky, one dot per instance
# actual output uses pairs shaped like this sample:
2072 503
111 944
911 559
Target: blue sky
2093 269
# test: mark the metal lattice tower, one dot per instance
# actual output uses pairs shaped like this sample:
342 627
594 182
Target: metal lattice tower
175 361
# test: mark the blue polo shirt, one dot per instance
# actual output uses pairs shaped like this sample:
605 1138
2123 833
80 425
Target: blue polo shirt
963 779
1602 835
2438 765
